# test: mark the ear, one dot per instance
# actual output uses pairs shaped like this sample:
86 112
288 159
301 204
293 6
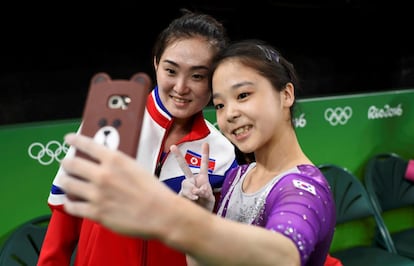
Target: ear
143 79
155 64
288 95
100 77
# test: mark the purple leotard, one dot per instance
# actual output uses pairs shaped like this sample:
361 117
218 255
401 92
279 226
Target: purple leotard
297 203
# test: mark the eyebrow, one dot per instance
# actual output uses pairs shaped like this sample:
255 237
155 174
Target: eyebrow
192 68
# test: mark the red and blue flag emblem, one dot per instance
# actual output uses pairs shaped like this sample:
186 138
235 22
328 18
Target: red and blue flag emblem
194 161
304 186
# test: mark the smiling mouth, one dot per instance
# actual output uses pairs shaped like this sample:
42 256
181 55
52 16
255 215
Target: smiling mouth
241 130
179 100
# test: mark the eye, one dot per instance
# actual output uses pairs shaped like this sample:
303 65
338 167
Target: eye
198 76
218 106
116 123
243 95
170 71
102 122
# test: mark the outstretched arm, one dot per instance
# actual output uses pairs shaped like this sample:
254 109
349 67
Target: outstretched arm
123 196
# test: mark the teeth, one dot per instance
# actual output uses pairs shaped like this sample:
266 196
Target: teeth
179 100
240 130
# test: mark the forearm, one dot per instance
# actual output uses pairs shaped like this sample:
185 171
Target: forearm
212 240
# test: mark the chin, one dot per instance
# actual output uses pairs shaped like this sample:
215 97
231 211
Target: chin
180 111
245 149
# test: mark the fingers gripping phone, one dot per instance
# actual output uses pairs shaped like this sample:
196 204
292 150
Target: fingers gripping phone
114 110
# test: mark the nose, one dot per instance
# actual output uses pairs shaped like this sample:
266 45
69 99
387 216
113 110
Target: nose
232 112
181 87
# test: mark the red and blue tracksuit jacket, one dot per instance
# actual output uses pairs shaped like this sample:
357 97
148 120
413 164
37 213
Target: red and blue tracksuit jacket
99 246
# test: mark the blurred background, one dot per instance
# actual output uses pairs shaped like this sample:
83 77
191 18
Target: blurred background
50 51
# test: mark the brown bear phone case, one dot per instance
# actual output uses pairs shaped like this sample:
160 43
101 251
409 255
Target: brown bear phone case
114 110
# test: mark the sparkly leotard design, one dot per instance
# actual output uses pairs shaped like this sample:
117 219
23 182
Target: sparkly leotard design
297 203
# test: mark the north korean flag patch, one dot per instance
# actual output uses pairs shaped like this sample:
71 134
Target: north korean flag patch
194 161
304 186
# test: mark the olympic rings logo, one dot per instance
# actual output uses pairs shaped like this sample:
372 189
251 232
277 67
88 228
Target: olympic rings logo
338 115
45 155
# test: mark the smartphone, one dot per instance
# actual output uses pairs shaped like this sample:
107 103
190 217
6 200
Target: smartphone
114 110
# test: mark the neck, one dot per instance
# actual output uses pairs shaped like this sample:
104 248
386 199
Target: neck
281 154
179 129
